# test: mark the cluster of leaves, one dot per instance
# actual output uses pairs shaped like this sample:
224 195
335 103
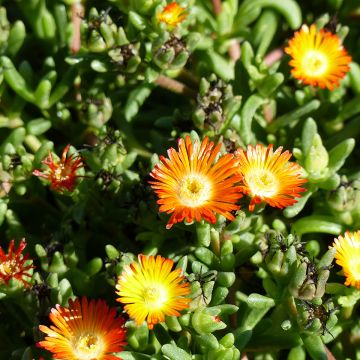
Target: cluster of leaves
261 285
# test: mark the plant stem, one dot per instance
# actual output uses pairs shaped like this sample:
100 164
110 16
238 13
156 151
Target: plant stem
189 78
175 86
234 48
217 6
273 56
329 354
77 12
268 112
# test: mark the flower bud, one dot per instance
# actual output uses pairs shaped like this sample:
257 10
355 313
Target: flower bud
170 52
206 320
345 197
96 43
317 159
309 279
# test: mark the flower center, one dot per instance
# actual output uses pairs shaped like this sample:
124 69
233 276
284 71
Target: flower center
88 347
155 297
354 267
194 190
61 173
170 17
9 267
315 63
262 183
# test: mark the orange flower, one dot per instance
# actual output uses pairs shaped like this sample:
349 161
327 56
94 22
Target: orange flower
61 174
151 290
318 57
15 265
84 330
348 256
192 185
172 14
269 176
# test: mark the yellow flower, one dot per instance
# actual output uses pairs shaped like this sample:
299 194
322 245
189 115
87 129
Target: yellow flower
348 256
269 176
84 330
191 185
318 57
172 14
151 290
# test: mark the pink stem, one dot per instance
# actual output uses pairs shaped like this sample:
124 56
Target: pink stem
217 6
273 56
175 86
77 12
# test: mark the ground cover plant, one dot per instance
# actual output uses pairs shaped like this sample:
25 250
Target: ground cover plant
179 180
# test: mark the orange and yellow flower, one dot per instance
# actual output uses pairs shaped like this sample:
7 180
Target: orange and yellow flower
15 265
151 290
61 174
172 14
269 177
348 256
192 185
318 57
84 330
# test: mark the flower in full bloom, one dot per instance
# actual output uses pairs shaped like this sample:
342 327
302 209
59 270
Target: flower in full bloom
348 256
84 330
269 177
61 174
15 265
191 185
318 57
172 14
151 290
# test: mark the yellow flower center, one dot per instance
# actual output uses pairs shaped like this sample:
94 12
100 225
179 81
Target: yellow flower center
262 183
194 190
61 173
155 297
88 347
9 267
354 267
170 17
315 63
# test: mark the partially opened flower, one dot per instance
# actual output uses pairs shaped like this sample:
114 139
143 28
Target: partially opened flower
269 177
348 256
61 174
172 14
192 185
15 265
151 289
318 57
84 330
